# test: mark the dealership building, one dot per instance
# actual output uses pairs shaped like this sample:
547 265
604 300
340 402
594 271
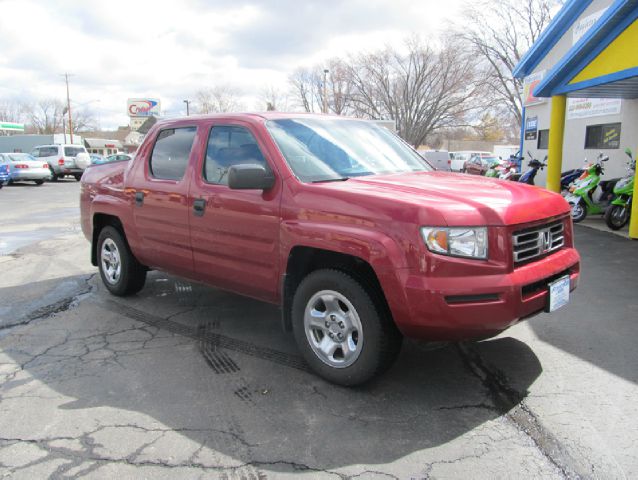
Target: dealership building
581 90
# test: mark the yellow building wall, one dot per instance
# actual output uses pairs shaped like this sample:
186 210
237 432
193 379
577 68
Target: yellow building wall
621 54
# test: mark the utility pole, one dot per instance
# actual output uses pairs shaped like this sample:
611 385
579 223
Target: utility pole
325 91
187 102
68 105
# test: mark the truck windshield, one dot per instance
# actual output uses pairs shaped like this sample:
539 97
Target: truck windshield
327 149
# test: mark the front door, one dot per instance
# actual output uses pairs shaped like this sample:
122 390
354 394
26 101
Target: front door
160 202
235 233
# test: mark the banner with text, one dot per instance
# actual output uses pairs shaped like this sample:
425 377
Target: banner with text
592 107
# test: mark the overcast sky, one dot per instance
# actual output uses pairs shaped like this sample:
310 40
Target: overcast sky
170 49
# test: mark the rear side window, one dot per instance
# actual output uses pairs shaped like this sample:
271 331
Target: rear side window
46 151
228 146
171 151
72 151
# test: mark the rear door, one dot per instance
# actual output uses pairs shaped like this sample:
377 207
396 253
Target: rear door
235 233
159 193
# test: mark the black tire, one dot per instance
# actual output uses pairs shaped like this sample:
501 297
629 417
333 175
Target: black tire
132 274
381 340
616 216
39 182
578 211
77 176
54 176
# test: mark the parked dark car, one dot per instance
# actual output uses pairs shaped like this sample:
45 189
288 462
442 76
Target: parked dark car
478 164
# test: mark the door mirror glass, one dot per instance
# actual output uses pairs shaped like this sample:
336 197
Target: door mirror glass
250 177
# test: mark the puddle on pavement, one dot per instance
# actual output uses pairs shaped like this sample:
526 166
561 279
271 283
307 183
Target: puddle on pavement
12 241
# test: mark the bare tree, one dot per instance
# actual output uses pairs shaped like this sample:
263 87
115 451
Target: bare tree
272 98
499 32
218 99
83 120
422 90
12 111
305 82
45 116
308 89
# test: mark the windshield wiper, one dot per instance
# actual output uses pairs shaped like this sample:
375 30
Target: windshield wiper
326 180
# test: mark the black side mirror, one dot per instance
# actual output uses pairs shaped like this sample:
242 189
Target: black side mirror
250 176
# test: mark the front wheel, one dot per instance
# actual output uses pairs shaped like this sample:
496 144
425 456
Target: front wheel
345 336
39 182
579 211
77 176
121 273
617 216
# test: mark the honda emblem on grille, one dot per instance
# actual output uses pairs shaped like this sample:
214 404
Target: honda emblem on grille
545 240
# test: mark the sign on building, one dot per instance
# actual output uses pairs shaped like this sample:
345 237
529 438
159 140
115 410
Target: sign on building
143 107
592 107
529 84
12 126
584 24
531 128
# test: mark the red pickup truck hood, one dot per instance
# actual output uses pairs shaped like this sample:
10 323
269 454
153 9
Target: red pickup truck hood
467 199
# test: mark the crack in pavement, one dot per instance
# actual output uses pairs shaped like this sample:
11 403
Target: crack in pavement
59 306
219 340
511 404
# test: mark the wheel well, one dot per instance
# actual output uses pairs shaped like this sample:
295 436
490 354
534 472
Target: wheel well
304 260
101 220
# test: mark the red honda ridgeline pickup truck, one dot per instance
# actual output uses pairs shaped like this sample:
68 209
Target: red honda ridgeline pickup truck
338 221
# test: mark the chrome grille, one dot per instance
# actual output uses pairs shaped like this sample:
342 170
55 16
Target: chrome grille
538 241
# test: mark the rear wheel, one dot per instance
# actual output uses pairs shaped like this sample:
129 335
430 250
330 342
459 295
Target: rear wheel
54 176
616 216
579 211
39 182
345 336
121 273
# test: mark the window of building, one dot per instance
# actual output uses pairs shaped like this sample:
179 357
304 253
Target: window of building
543 139
228 146
171 151
601 137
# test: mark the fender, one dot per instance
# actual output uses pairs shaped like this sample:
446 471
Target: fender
379 250
119 207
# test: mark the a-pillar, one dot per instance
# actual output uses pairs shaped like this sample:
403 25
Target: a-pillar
555 148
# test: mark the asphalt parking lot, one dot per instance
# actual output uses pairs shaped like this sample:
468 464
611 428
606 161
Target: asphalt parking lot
183 380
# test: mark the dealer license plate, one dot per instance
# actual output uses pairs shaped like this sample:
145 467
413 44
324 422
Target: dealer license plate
558 293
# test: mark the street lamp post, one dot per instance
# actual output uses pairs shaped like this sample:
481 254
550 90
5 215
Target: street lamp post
187 102
325 91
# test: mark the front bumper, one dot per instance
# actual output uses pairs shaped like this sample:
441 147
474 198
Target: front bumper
455 308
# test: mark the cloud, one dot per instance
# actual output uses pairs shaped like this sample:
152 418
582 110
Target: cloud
120 49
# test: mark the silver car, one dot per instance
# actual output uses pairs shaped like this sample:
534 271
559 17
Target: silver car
24 167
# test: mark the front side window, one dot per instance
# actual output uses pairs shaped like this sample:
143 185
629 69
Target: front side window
171 151
335 149
228 146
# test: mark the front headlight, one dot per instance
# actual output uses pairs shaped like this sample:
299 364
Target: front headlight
469 242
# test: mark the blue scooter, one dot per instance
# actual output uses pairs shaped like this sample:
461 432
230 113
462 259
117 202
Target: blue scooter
535 165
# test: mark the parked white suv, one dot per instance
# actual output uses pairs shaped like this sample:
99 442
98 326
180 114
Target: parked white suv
63 159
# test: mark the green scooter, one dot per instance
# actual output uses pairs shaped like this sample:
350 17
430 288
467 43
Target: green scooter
619 211
493 171
581 194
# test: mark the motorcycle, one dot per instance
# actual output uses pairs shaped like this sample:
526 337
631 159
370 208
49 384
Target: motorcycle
589 195
569 177
493 170
618 213
507 170
535 165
